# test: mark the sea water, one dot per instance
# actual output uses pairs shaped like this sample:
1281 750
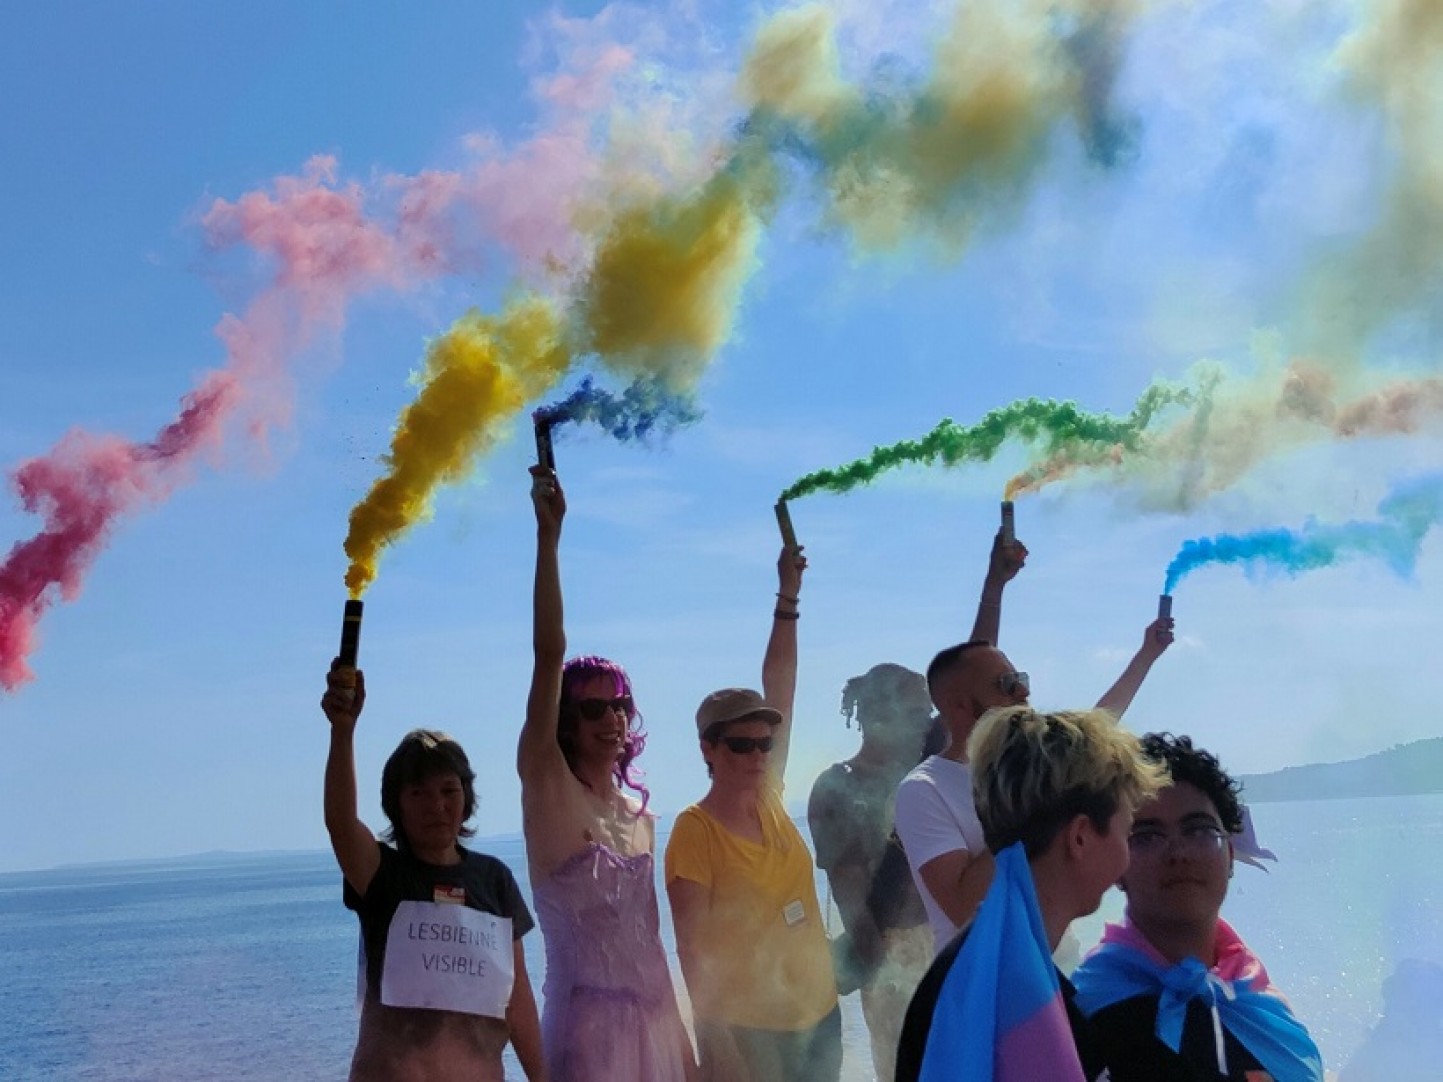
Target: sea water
244 966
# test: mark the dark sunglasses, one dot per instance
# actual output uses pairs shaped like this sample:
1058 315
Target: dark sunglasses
743 745
594 709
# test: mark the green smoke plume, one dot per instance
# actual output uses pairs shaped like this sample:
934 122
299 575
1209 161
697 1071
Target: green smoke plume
1052 426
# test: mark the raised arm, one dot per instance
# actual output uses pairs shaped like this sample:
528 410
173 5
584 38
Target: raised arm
1155 640
1007 558
779 665
351 841
538 755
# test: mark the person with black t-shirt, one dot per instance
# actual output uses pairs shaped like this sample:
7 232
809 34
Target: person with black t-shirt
445 977
1173 993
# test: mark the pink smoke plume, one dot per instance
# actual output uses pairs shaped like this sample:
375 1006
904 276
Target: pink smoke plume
324 246
323 243
80 489
525 199
1234 424
325 250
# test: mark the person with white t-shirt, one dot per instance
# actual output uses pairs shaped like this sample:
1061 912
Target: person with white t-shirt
935 818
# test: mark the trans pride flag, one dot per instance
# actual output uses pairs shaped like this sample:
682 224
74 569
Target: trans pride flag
1000 1015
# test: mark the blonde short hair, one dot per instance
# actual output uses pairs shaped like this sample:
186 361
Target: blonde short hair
1033 772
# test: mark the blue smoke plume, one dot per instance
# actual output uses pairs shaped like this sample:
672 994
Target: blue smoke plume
644 407
1404 517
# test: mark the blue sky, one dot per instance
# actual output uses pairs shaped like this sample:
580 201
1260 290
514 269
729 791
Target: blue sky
174 706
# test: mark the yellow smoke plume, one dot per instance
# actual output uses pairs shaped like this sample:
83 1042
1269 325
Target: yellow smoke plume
669 258
477 376
667 275
1394 64
932 162
794 69
658 302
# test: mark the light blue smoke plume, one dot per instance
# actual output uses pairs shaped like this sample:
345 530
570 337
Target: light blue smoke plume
1404 518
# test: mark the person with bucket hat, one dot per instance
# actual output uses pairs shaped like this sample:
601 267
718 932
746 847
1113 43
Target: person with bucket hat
741 883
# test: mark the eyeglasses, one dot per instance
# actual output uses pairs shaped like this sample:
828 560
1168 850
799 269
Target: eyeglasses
743 745
1012 682
1195 840
594 709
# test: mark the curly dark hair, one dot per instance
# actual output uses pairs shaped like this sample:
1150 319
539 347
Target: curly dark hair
1201 770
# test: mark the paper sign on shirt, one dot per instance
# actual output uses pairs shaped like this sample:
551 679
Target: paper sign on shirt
448 958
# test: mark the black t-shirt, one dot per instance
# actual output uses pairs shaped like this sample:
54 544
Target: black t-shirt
1126 1035
893 899
488 885
918 1023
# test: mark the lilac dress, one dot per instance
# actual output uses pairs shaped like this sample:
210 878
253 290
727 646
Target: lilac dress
610 1013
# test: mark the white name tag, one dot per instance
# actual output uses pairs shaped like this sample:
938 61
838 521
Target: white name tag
794 913
448 958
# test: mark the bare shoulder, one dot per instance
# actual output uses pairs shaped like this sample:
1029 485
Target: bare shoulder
553 820
833 783
645 826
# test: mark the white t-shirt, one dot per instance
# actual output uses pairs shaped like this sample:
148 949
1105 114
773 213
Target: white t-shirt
936 816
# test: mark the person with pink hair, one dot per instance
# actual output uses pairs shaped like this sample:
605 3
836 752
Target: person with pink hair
610 1012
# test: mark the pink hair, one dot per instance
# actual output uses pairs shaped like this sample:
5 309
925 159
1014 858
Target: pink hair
578 671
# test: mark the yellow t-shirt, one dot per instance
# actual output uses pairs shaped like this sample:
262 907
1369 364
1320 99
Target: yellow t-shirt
765 948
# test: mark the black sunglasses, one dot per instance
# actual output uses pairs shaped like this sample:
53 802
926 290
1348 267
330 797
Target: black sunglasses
594 709
742 745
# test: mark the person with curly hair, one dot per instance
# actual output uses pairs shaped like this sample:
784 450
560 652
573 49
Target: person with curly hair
1173 994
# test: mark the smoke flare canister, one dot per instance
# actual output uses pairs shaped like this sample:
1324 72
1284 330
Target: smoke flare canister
350 645
1164 606
545 453
1009 523
784 521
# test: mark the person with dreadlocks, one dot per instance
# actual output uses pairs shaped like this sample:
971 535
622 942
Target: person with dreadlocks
610 1009
887 946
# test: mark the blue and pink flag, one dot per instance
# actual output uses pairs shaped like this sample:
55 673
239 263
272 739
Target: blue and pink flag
1000 1015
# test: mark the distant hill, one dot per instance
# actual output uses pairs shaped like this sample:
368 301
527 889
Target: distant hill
1405 770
